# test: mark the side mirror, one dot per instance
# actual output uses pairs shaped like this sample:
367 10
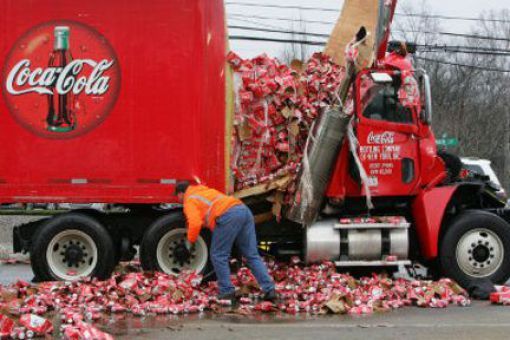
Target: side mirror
426 94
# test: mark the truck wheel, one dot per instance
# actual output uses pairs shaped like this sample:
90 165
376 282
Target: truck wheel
163 247
70 246
476 245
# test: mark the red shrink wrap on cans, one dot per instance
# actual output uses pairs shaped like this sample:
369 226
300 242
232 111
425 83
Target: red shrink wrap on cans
6 326
501 296
84 331
275 107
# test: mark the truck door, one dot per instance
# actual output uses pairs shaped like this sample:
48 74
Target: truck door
387 131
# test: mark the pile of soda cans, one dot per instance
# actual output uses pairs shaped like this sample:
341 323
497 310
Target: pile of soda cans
320 289
501 296
25 309
275 107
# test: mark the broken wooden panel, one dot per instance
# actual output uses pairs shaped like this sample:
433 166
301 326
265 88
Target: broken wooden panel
260 189
355 13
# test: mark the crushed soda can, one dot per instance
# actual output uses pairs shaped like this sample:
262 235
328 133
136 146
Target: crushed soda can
501 296
6 326
21 333
36 324
225 302
84 331
265 306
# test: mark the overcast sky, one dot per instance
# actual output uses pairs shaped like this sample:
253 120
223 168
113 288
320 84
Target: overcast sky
248 16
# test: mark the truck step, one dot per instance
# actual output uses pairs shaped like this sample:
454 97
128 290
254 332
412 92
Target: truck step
384 222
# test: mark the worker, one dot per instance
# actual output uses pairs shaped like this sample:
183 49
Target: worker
230 221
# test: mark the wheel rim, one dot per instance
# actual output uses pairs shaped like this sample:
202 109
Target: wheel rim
170 253
71 254
480 252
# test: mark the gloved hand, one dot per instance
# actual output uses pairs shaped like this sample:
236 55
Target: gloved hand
190 246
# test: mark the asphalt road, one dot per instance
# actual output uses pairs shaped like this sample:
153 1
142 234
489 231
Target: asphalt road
480 321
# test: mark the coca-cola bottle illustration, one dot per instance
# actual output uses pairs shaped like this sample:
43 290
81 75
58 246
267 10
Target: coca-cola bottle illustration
61 113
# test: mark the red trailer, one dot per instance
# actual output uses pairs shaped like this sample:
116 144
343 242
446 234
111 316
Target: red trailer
151 109
112 102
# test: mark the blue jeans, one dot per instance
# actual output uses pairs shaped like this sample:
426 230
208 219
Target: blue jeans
237 225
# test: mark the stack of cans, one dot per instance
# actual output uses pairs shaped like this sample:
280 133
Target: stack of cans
276 105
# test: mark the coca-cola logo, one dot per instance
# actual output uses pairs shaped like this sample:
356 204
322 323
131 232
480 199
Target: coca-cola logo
65 79
386 137
61 79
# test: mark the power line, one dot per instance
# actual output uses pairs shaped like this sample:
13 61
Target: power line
317 43
474 36
279 31
468 52
505 53
287 31
445 62
321 9
447 17
461 47
428 48
290 41
239 15
259 23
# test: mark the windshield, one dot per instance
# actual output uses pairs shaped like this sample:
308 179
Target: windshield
390 102
382 104
474 168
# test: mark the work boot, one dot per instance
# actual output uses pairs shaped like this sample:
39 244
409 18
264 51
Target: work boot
228 297
270 295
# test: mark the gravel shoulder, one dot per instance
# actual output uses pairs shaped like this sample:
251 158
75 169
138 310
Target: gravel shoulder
7 223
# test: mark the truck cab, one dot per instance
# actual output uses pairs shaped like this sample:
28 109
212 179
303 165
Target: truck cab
396 145
392 195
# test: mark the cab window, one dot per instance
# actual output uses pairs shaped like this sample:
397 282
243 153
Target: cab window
382 103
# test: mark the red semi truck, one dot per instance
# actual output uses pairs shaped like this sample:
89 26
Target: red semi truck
116 102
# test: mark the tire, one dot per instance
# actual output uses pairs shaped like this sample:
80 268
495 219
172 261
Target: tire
76 235
453 165
164 238
476 246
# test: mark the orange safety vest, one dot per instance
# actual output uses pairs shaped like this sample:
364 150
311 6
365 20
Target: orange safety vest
202 206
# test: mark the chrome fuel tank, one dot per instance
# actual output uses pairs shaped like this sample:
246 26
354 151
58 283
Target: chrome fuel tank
329 240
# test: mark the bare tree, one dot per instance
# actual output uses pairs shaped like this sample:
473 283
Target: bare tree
470 103
297 49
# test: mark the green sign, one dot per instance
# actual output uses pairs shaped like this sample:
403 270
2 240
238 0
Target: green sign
447 142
